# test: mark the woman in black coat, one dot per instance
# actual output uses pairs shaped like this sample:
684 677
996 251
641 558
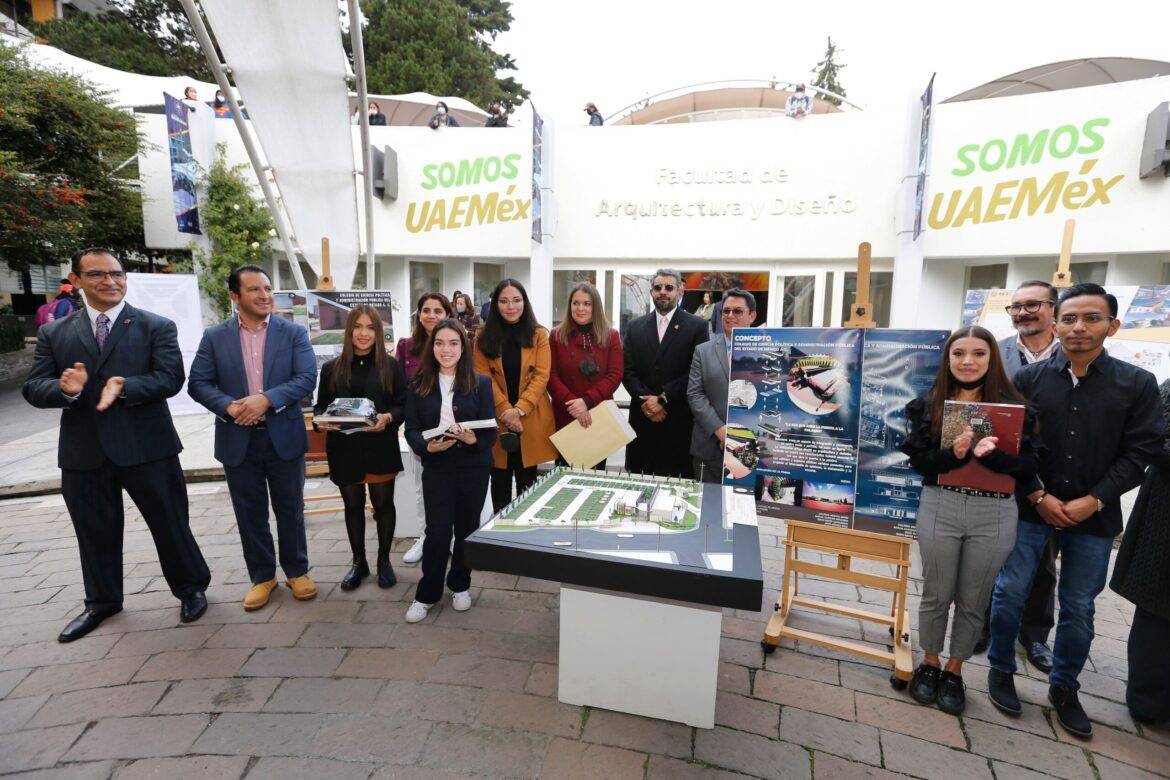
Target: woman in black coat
369 457
1142 575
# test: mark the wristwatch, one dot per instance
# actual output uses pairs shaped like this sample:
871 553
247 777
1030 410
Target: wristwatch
1100 505
662 398
521 411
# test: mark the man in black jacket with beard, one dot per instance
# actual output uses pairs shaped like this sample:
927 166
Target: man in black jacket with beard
657 350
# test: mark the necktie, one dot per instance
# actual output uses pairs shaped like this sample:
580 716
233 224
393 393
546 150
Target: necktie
103 330
662 323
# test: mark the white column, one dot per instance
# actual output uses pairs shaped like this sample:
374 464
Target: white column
540 269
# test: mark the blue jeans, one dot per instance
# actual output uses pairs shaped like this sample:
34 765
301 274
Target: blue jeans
1084 563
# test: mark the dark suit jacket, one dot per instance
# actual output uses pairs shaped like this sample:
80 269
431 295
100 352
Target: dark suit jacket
143 348
353 455
422 414
652 368
218 379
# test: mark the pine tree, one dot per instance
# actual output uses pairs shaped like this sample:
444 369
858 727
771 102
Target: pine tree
442 47
826 73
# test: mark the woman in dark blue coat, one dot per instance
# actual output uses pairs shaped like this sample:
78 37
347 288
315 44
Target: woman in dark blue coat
445 392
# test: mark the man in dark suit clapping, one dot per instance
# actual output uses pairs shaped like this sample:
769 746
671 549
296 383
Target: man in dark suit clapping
658 347
252 372
110 368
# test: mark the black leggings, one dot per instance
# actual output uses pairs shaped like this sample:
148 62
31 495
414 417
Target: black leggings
382 497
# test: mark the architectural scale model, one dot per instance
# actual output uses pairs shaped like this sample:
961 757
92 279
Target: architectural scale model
600 500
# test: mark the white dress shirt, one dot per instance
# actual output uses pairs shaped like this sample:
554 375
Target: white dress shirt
663 322
112 313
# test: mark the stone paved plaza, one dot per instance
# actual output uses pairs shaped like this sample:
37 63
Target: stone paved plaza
343 687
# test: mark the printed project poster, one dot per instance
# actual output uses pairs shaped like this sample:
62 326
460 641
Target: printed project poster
323 314
897 366
792 420
182 165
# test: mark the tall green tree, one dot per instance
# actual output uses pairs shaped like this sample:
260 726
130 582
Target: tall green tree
826 72
151 37
61 144
440 46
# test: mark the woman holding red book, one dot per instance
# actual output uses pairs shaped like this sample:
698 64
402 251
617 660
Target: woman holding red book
586 360
964 534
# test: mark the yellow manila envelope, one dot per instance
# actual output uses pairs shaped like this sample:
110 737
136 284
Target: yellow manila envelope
584 447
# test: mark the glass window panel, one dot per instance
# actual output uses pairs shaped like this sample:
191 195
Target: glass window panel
424 278
485 278
636 299
1094 273
987 277
563 281
798 301
881 287
609 286
827 314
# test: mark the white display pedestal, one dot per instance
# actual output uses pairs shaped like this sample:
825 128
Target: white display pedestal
638 654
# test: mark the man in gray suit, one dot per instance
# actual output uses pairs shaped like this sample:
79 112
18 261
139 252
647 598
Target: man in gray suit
707 385
1033 314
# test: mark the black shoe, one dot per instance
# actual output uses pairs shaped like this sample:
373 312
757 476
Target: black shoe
358 572
85 622
193 607
924 684
1069 711
1001 687
952 696
386 576
1039 655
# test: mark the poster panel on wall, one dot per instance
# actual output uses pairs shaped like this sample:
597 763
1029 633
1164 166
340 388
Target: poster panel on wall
793 399
923 155
176 297
1142 340
323 314
897 366
183 172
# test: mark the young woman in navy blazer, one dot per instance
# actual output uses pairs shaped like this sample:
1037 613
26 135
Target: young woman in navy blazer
446 390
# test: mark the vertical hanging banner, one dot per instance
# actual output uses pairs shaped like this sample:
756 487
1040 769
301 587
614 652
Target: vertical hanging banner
792 420
815 417
183 172
923 154
897 366
537 172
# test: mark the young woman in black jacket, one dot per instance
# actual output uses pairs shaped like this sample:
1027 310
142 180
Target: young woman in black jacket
369 458
446 391
964 535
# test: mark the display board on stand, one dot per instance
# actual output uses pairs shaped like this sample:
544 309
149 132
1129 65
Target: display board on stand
176 297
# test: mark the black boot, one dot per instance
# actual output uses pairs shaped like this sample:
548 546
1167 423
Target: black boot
354 497
1001 687
924 684
382 497
1069 711
358 572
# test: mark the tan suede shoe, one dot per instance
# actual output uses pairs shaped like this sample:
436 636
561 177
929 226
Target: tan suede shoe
258 595
302 587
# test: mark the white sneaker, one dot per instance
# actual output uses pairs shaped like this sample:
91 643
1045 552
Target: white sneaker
414 554
461 601
417 612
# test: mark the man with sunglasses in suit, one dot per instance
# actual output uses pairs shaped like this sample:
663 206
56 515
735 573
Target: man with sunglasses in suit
110 368
657 348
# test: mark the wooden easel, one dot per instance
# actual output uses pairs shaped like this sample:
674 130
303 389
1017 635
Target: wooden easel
1063 276
847 544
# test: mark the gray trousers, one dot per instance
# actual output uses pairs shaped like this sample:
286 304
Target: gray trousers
963 541
710 471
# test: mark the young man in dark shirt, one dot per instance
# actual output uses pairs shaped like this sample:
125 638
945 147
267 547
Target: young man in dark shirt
1101 424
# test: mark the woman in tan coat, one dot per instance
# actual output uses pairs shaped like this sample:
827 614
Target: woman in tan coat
514 351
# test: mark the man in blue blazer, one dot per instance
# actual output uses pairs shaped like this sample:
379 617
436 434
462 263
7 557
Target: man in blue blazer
110 368
252 372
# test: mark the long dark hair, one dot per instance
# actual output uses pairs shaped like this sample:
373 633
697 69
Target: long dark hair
427 375
343 364
491 336
996 389
418 335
